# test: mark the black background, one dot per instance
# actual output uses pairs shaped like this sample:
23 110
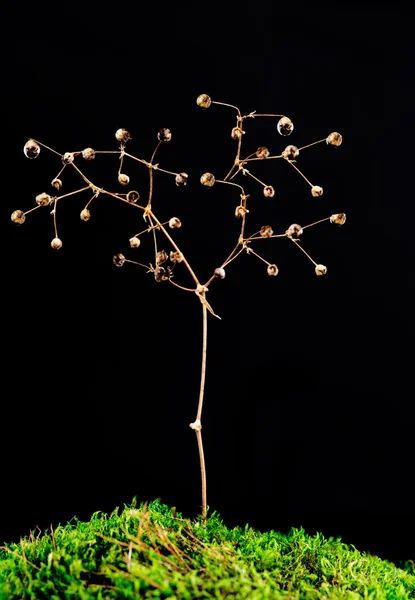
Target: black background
308 417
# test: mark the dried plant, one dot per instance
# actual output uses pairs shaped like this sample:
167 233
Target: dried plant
167 264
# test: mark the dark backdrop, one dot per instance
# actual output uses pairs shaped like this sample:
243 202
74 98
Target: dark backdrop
308 417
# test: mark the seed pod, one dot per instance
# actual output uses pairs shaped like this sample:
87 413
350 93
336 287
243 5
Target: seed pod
181 178
294 231
56 183
161 257
159 273
236 133
268 191
56 243
220 273
176 257
266 231
135 242
204 101
133 196
321 269
18 217
272 270
207 179
175 223
240 211
338 219
334 139
285 126
88 153
123 179
68 158
164 135
118 260
122 135
262 152
290 152
31 149
43 199
85 214
316 191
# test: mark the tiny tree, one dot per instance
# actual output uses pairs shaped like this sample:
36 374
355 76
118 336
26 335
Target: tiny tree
168 261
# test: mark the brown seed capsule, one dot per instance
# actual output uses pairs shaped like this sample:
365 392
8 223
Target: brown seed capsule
31 149
85 214
207 179
133 196
159 273
272 270
175 223
268 191
294 231
316 191
161 257
135 242
285 126
338 219
68 158
18 217
181 178
56 243
123 179
176 257
118 260
43 199
240 211
88 154
321 269
262 152
236 133
266 231
290 152
334 139
220 273
164 135
122 135
56 183
204 101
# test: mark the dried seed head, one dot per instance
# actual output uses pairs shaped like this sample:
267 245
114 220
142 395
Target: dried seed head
175 223
240 211
160 273
133 196
266 231
236 133
204 101
321 269
316 191
207 179
290 152
85 214
56 183
122 135
220 273
135 242
88 154
181 178
272 270
294 231
118 260
268 191
123 179
18 217
68 158
262 152
161 257
56 243
164 135
31 149
285 126
43 199
176 257
334 139
338 219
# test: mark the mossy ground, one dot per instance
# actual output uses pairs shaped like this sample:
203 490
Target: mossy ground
150 551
